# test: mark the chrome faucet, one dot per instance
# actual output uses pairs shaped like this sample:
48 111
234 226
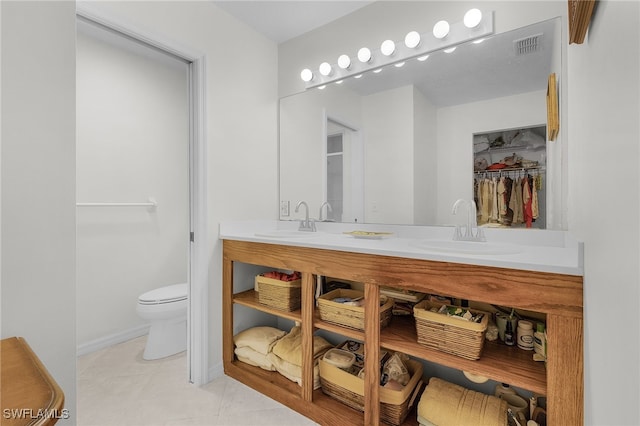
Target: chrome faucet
469 234
329 210
306 224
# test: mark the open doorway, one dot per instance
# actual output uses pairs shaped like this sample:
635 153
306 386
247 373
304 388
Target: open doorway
191 249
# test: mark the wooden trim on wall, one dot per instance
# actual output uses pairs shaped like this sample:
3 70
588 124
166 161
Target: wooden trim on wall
579 17
553 121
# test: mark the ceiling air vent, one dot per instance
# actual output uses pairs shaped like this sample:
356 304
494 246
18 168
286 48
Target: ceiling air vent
527 45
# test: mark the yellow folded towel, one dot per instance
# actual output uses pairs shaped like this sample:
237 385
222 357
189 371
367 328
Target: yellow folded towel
446 404
293 372
289 347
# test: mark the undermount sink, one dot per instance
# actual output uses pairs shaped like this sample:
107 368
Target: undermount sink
286 233
466 247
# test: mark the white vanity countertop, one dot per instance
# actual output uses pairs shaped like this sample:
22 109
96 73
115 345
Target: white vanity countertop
525 249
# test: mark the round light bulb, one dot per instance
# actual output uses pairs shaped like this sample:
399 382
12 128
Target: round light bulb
325 69
399 64
364 55
344 62
441 29
379 70
423 58
387 47
450 50
412 40
306 75
358 76
472 18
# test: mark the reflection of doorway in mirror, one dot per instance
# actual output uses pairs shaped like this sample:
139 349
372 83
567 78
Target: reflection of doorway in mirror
335 176
343 180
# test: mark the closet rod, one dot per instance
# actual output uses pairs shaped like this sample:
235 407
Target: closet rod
151 203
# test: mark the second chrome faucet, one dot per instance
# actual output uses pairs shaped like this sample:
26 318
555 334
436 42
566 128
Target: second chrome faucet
469 233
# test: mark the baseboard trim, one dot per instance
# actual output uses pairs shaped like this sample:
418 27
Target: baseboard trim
111 339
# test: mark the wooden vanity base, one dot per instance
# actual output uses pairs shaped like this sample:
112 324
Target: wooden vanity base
558 296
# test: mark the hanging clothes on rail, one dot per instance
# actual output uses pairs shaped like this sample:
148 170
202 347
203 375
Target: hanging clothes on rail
505 201
515 203
526 202
535 206
494 199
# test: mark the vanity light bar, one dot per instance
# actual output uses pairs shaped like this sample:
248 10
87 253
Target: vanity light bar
376 59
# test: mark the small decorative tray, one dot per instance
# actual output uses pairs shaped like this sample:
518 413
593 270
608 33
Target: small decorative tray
369 235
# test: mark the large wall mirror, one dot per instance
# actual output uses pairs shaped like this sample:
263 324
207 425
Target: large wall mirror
397 147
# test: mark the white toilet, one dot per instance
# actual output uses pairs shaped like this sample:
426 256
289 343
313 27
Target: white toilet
166 309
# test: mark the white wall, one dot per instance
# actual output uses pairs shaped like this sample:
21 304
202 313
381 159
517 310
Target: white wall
38 155
388 151
132 144
604 106
241 113
38 184
425 160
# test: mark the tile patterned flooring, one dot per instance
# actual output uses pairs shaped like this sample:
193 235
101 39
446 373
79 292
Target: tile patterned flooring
116 387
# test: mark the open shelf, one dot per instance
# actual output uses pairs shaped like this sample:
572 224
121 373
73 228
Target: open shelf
560 379
249 299
324 409
498 362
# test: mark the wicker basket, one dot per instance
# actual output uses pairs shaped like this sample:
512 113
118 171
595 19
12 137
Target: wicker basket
350 316
283 295
349 389
448 334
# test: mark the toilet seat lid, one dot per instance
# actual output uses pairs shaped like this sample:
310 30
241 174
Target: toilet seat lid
167 294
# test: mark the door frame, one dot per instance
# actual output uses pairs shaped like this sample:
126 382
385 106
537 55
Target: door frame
197 317
356 166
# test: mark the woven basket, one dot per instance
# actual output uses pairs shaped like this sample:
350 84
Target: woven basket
449 334
349 389
283 295
350 316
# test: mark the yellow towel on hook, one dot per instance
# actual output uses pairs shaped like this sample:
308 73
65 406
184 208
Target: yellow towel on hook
446 404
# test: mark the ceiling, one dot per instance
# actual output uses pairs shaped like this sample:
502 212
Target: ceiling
283 20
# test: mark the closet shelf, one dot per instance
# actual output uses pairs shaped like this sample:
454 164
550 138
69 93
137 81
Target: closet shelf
504 149
511 169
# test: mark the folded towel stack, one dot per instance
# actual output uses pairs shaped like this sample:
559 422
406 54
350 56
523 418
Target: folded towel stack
254 344
286 356
446 404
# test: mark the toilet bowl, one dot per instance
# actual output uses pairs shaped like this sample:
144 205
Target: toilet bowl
166 309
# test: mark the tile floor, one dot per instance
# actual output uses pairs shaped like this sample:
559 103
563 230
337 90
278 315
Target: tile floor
116 387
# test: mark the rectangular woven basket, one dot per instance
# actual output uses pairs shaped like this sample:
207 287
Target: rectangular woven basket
283 295
349 389
350 316
448 334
